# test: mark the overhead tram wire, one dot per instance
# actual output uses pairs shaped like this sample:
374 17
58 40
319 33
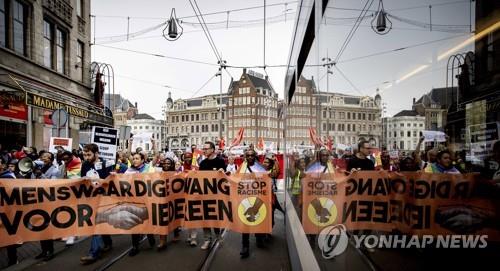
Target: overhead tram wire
366 7
404 8
206 83
349 81
400 48
193 16
158 55
205 29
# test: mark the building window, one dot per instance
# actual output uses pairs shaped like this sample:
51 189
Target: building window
60 50
19 17
79 59
59 47
3 25
13 25
348 115
147 127
402 134
79 8
47 44
197 116
408 134
324 126
197 128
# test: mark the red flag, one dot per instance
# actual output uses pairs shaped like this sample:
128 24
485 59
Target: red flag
314 138
260 146
221 143
237 140
329 143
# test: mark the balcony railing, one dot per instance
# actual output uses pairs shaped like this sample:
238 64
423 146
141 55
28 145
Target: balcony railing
61 9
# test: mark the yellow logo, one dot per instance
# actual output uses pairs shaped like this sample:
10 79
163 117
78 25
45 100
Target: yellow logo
322 212
252 211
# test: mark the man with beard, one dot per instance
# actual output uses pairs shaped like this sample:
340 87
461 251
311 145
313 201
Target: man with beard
94 167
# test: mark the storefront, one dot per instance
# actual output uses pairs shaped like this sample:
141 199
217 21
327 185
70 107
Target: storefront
27 107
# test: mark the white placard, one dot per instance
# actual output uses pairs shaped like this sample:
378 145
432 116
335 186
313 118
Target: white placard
64 142
434 136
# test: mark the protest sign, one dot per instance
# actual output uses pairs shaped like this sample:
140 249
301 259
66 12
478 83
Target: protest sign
105 139
434 136
481 140
411 203
63 142
154 203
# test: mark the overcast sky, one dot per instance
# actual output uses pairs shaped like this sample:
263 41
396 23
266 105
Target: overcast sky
141 77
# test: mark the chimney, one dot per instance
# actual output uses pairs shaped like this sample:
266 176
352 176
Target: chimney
266 77
135 104
244 71
413 100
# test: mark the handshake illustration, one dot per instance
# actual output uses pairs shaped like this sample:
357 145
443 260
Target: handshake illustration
123 216
322 212
252 212
465 219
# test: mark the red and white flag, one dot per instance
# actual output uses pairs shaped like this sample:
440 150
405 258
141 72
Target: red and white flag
314 137
239 137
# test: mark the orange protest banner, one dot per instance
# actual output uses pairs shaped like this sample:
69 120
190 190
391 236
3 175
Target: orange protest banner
411 203
154 203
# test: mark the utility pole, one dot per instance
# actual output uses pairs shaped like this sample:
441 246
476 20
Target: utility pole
328 64
222 64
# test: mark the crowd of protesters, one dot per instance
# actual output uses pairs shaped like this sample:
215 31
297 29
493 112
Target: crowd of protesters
64 164
86 163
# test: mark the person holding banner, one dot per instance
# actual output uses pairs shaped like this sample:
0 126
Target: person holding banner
443 164
70 169
322 164
7 174
94 167
250 165
46 170
360 161
139 165
168 165
211 162
271 165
